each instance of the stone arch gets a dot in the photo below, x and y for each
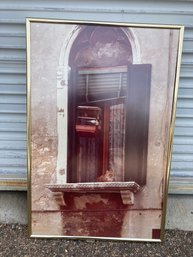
(76, 30)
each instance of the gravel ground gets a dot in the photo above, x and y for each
(14, 242)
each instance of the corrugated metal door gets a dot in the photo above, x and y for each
(13, 168)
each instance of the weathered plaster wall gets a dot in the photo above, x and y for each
(44, 110)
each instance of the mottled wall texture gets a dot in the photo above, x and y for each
(98, 214)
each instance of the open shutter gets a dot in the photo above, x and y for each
(72, 176)
(137, 121)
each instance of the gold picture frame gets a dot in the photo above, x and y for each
(101, 111)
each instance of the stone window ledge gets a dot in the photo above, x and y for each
(126, 189)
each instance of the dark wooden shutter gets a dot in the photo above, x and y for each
(72, 176)
(137, 121)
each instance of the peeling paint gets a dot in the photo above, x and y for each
(62, 171)
(62, 82)
(60, 110)
(82, 201)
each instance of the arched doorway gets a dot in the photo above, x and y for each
(100, 92)
(97, 91)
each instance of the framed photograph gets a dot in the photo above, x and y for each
(101, 112)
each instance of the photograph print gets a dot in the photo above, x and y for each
(101, 105)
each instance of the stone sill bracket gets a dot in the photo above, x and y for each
(126, 189)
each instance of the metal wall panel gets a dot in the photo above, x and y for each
(13, 75)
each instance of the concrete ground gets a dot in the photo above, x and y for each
(14, 242)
